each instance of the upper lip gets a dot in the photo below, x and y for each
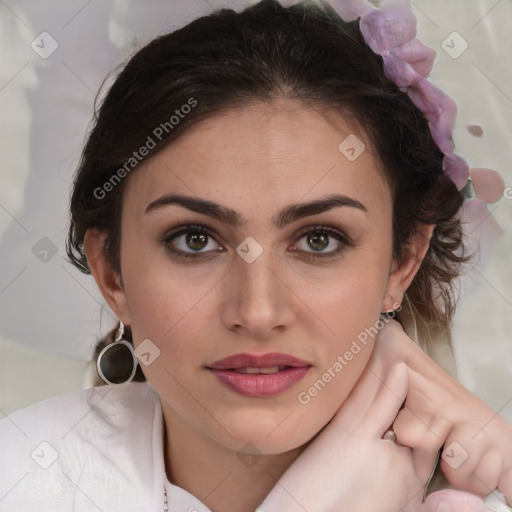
(257, 361)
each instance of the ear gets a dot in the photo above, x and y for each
(403, 273)
(109, 282)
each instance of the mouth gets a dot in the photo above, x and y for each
(259, 376)
(272, 361)
(264, 371)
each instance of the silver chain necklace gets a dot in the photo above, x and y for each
(166, 506)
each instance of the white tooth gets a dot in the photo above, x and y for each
(250, 369)
(274, 369)
(253, 370)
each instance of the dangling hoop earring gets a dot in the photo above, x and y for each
(117, 362)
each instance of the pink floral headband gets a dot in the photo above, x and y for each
(391, 32)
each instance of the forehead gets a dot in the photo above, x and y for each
(263, 155)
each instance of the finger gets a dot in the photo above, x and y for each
(362, 396)
(374, 402)
(481, 480)
(469, 462)
(395, 345)
(390, 396)
(414, 427)
(505, 485)
(454, 501)
(391, 342)
(486, 475)
(420, 436)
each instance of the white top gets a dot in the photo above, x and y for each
(100, 449)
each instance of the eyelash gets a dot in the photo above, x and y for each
(344, 240)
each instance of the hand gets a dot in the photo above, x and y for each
(349, 467)
(437, 410)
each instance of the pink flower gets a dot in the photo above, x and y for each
(391, 33)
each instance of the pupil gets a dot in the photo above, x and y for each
(318, 241)
(196, 240)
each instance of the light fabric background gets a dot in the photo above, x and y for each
(51, 315)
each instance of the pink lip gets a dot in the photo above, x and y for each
(257, 361)
(260, 385)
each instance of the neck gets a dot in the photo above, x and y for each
(225, 480)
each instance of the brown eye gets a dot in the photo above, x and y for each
(318, 241)
(196, 241)
(191, 241)
(322, 242)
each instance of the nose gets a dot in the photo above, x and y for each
(258, 301)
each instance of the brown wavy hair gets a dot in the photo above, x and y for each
(306, 53)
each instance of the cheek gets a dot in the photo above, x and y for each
(351, 313)
(351, 298)
(161, 294)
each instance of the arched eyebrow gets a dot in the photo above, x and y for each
(287, 215)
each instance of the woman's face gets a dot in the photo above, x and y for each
(293, 276)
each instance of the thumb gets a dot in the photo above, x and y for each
(450, 500)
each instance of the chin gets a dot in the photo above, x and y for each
(268, 435)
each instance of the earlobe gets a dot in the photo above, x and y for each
(402, 273)
(108, 281)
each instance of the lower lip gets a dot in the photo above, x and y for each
(261, 385)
